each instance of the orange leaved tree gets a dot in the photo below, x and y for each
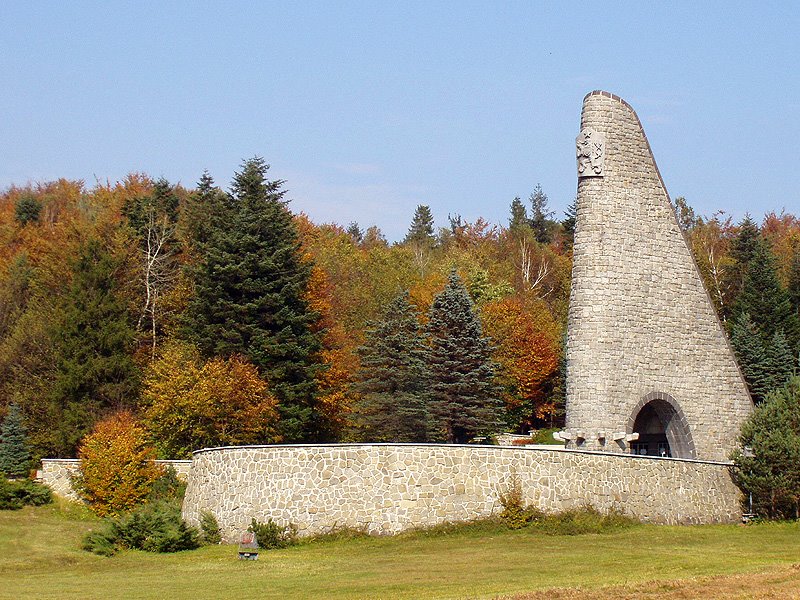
(117, 468)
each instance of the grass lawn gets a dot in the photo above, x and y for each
(40, 558)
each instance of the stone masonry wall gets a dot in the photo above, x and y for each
(641, 324)
(57, 473)
(386, 488)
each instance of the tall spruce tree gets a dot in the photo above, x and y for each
(392, 380)
(793, 285)
(751, 356)
(568, 224)
(94, 339)
(465, 399)
(519, 215)
(766, 301)
(780, 362)
(743, 249)
(15, 457)
(540, 215)
(421, 230)
(250, 288)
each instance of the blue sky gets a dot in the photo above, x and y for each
(368, 109)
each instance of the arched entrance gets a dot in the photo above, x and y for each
(662, 428)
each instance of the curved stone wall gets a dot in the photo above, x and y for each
(386, 488)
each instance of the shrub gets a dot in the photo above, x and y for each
(270, 535)
(210, 528)
(117, 470)
(168, 487)
(153, 527)
(516, 514)
(16, 494)
(583, 520)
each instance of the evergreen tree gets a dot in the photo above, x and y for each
(540, 215)
(568, 224)
(780, 362)
(751, 356)
(355, 232)
(421, 229)
(94, 341)
(465, 400)
(15, 457)
(766, 301)
(770, 469)
(392, 380)
(27, 210)
(684, 214)
(519, 215)
(746, 241)
(249, 298)
(204, 209)
(743, 249)
(793, 286)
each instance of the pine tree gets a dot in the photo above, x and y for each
(766, 301)
(27, 210)
(519, 215)
(15, 457)
(743, 249)
(465, 400)
(780, 362)
(751, 356)
(771, 470)
(94, 341)
(568, 224)
(684, 214)
(392, 380)
(793, 286)
(203, 211)
(249, 299)
(421, 230)
(354, 231)
(540, 215)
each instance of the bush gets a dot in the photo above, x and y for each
(117, 470)
(210, 528)
(153, 527)
(168, 487)
(516, 514)
(270, 535)
(582, 521)
(16, 494)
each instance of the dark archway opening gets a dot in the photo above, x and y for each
(652, 434)
(662, 430)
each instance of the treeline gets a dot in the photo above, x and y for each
(219, 317)
(752, 274)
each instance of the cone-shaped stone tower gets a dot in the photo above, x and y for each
(649, 368)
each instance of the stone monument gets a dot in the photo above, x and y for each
(649, 367)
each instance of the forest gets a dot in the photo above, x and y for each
(220, 317)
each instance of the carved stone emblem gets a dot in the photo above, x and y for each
(590, 151)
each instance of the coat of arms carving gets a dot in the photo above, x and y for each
(590, 151)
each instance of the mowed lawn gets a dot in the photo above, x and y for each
(40, 558)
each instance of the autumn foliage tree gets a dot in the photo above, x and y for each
(189, 404)
(527, 352)
(117, 469)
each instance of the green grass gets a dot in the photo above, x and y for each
(40, 558)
